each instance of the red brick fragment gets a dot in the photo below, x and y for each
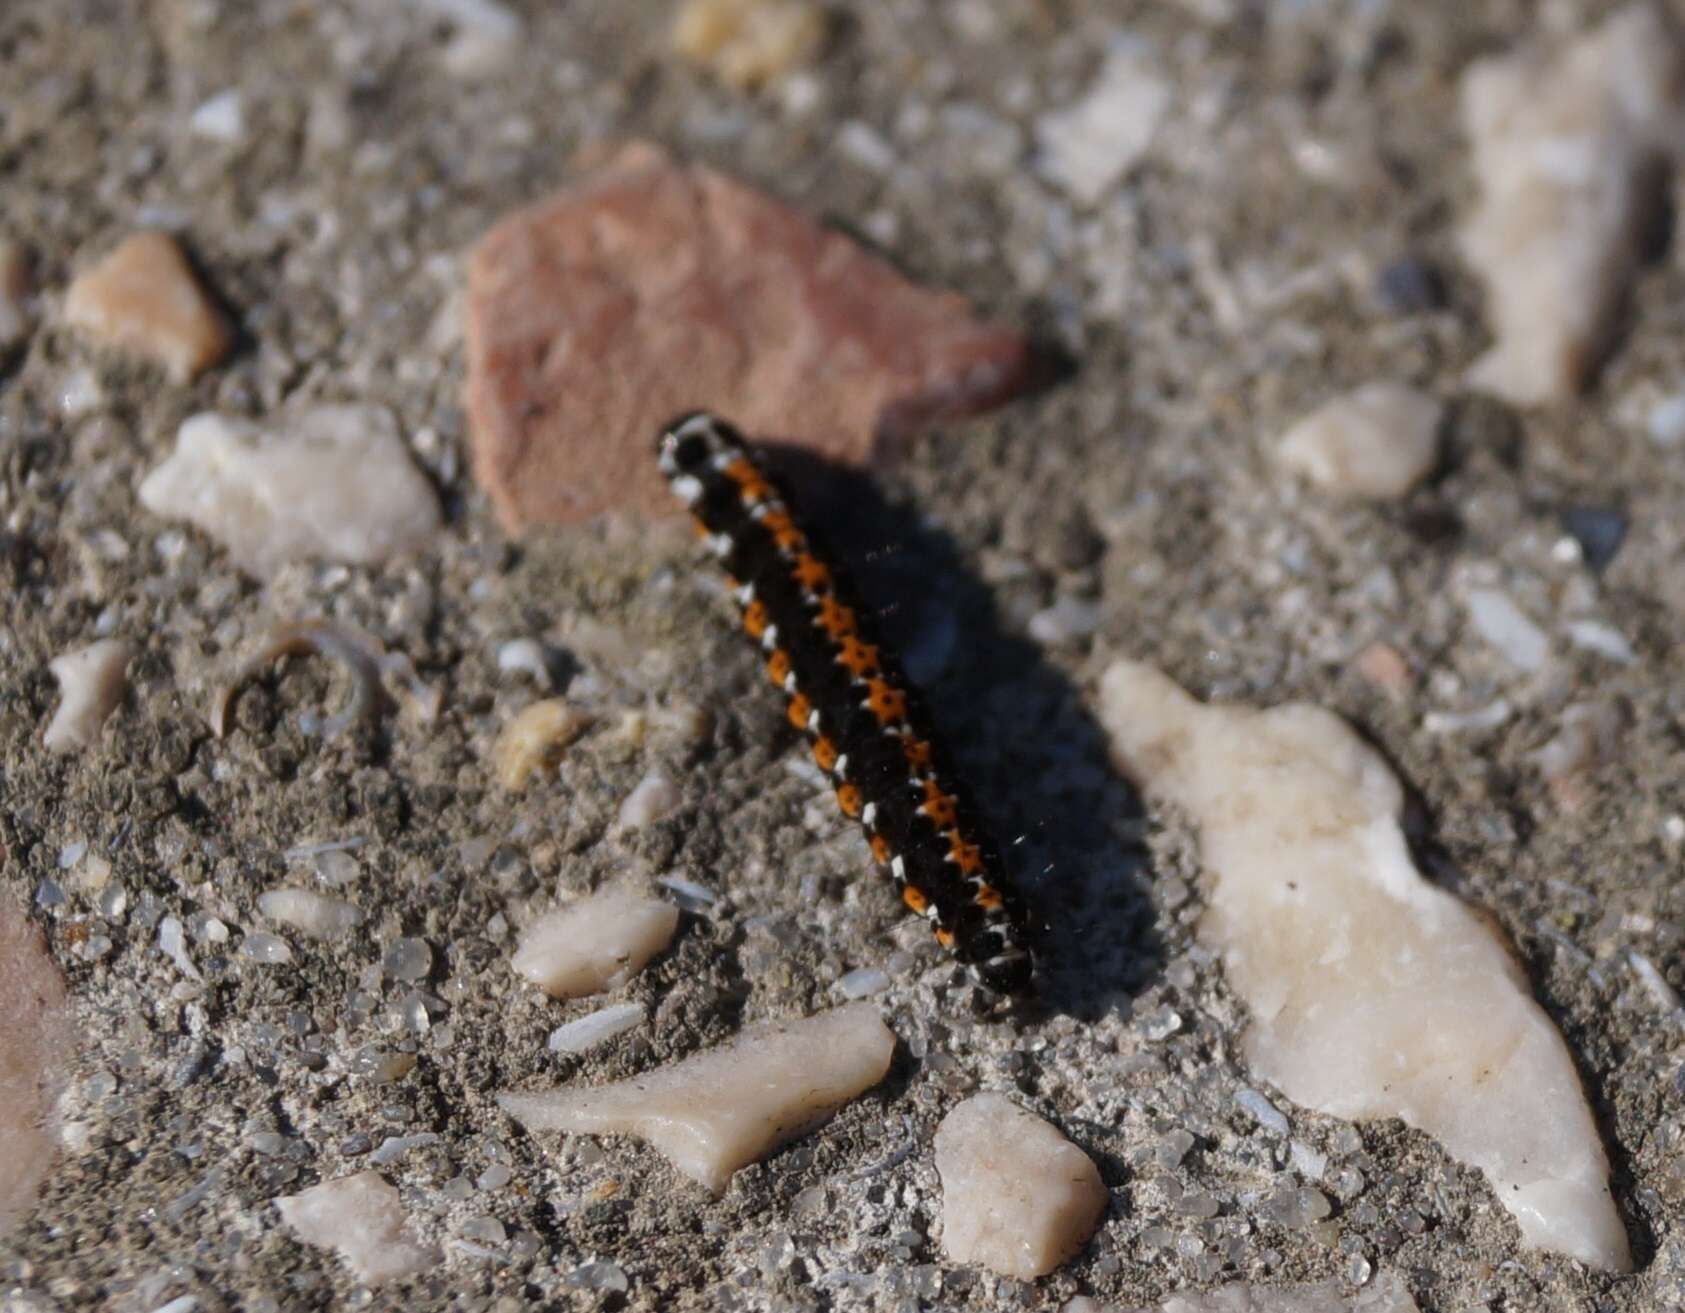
(652, 287)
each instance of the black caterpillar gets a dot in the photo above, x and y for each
(864, 722)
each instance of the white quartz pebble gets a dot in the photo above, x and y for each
(1372, 992)
(595, 1028)
(724, 1109)
(330, 482)
(92, 681)
(1376, 442)
(595, 944)
(315, 914)
(360, 1217)
(1568, 140)
(1017, 1196)
(654, 796)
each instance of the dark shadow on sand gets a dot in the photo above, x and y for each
(1068, 849)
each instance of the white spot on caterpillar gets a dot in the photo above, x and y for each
(688, 488)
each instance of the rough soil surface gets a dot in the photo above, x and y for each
(1286, 237)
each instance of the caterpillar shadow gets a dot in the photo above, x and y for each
(1018, 731)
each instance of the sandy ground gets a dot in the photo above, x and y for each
(1227, 288)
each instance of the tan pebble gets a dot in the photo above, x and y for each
(1385, 667)
(749, 43)
(534, 739)
(1017, 1196)
(143, 299)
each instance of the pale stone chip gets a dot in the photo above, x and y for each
(1377, 442)
(1387, 1293)
(749, 43)
(331, 482)
(595, 944)
(144, 299)
(36, 1044)
(92, 681)
(535, 738)
(1017, 1196)
(1373, 993)
(1089, 147)
(1569, 143)
(317, 915)
(652, 798)
(722, 1110)
(361, 1217)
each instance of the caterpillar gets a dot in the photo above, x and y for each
(864, 723)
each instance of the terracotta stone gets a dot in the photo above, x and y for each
(652, 287)
(143, 298)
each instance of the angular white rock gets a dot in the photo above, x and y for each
(653, 797)
(359, 1216)
(1387, 1293)
(1088, 148)
(1568, 143)
(92, 681)
(724, 1109)
(1376, 442)
(1017, 1196)
(595, 944)
(334, 482)
(1372, 992)
(315, 914)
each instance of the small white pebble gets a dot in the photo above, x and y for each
(654, 797)
(1017, 1196)
(92, 680)
(1265, 1113)
(1490, 716)
(315, 914)
(1666, 997)
(396, 1146)
(1308, 1162)
(1066, 621)
(271, 950)
(362, 1219)
(408, 959)
(525, 656)
(221, 118)
(862, 982)
(689, 895)
(1604, 640)
(595, 1028)
(172, 941)
(595, 944)
(1376, 442)
(1503, 624)
(1667, 421)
